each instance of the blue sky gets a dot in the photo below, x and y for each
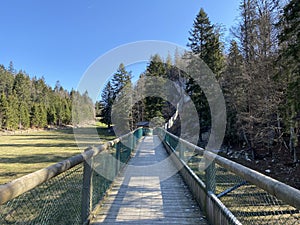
(59, 39)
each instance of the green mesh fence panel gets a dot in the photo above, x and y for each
(57, 201)
(248, 203)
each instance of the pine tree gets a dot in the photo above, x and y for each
(138, 99)
(24, 116)
(38, 115)
(116, 100)
(204, 42)
(59, 110)
(22, 89)
(154, 86)
(201, 33)
(3, 110)
(6, 81)
(12, 120)
(290, 69)
(98, 108)
(26, 102)
(107, 98)
(120, 79)
(233, 89)
(122, 110)
(11, 68)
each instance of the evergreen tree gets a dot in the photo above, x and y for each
(154, 85)
(68, 111)
(122, 110)
(290, 70)
(98, 108)
(26, 101)
(138, 99)
(51, 115)
(11, 68)
(233, 89)
(116, 99)
(6, 81)
(3, 110)
(59, 110)
(107, 98)
(204, 42)
(38, 115)
(120, 79)
(88, 107)
(12, 120)
(24, 116)
(22, 89)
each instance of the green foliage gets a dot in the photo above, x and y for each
(26, 102)
(289, 75)
(204, 41)
(98, 108)
(82, 108)
(290, 51)
(116, 101)
(3, 109)
(38, 115)
(23, 112)
(107, 98)
(233, 89)
(154, 86)
(6, 81)
(12, 120)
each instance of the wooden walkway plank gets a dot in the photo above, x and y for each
(149, 191)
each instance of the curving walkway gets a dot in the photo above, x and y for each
(149, 191)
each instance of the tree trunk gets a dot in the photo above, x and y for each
(293, 135)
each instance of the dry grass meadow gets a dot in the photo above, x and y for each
(21, 154)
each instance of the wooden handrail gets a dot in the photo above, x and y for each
(280, 190)
(25, 183)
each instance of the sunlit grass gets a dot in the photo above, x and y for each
(21, 154)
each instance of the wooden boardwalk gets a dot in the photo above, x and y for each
(149, 191)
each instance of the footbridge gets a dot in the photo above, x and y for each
(148, 177)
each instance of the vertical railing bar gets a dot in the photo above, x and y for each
(118, 158)
(87, 189)
(181, 150)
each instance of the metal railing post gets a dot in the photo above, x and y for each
(118, 157)
(131, 144)
(181, 150)
(134, 140)
(112, 165)
(167, 138)
(87, 189)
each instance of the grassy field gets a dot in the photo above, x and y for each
(21, 154)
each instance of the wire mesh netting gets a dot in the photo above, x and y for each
(107, 165)
(59, 200)
(248, 203)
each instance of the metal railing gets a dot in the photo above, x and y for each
(228, 192)
(66, 192)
